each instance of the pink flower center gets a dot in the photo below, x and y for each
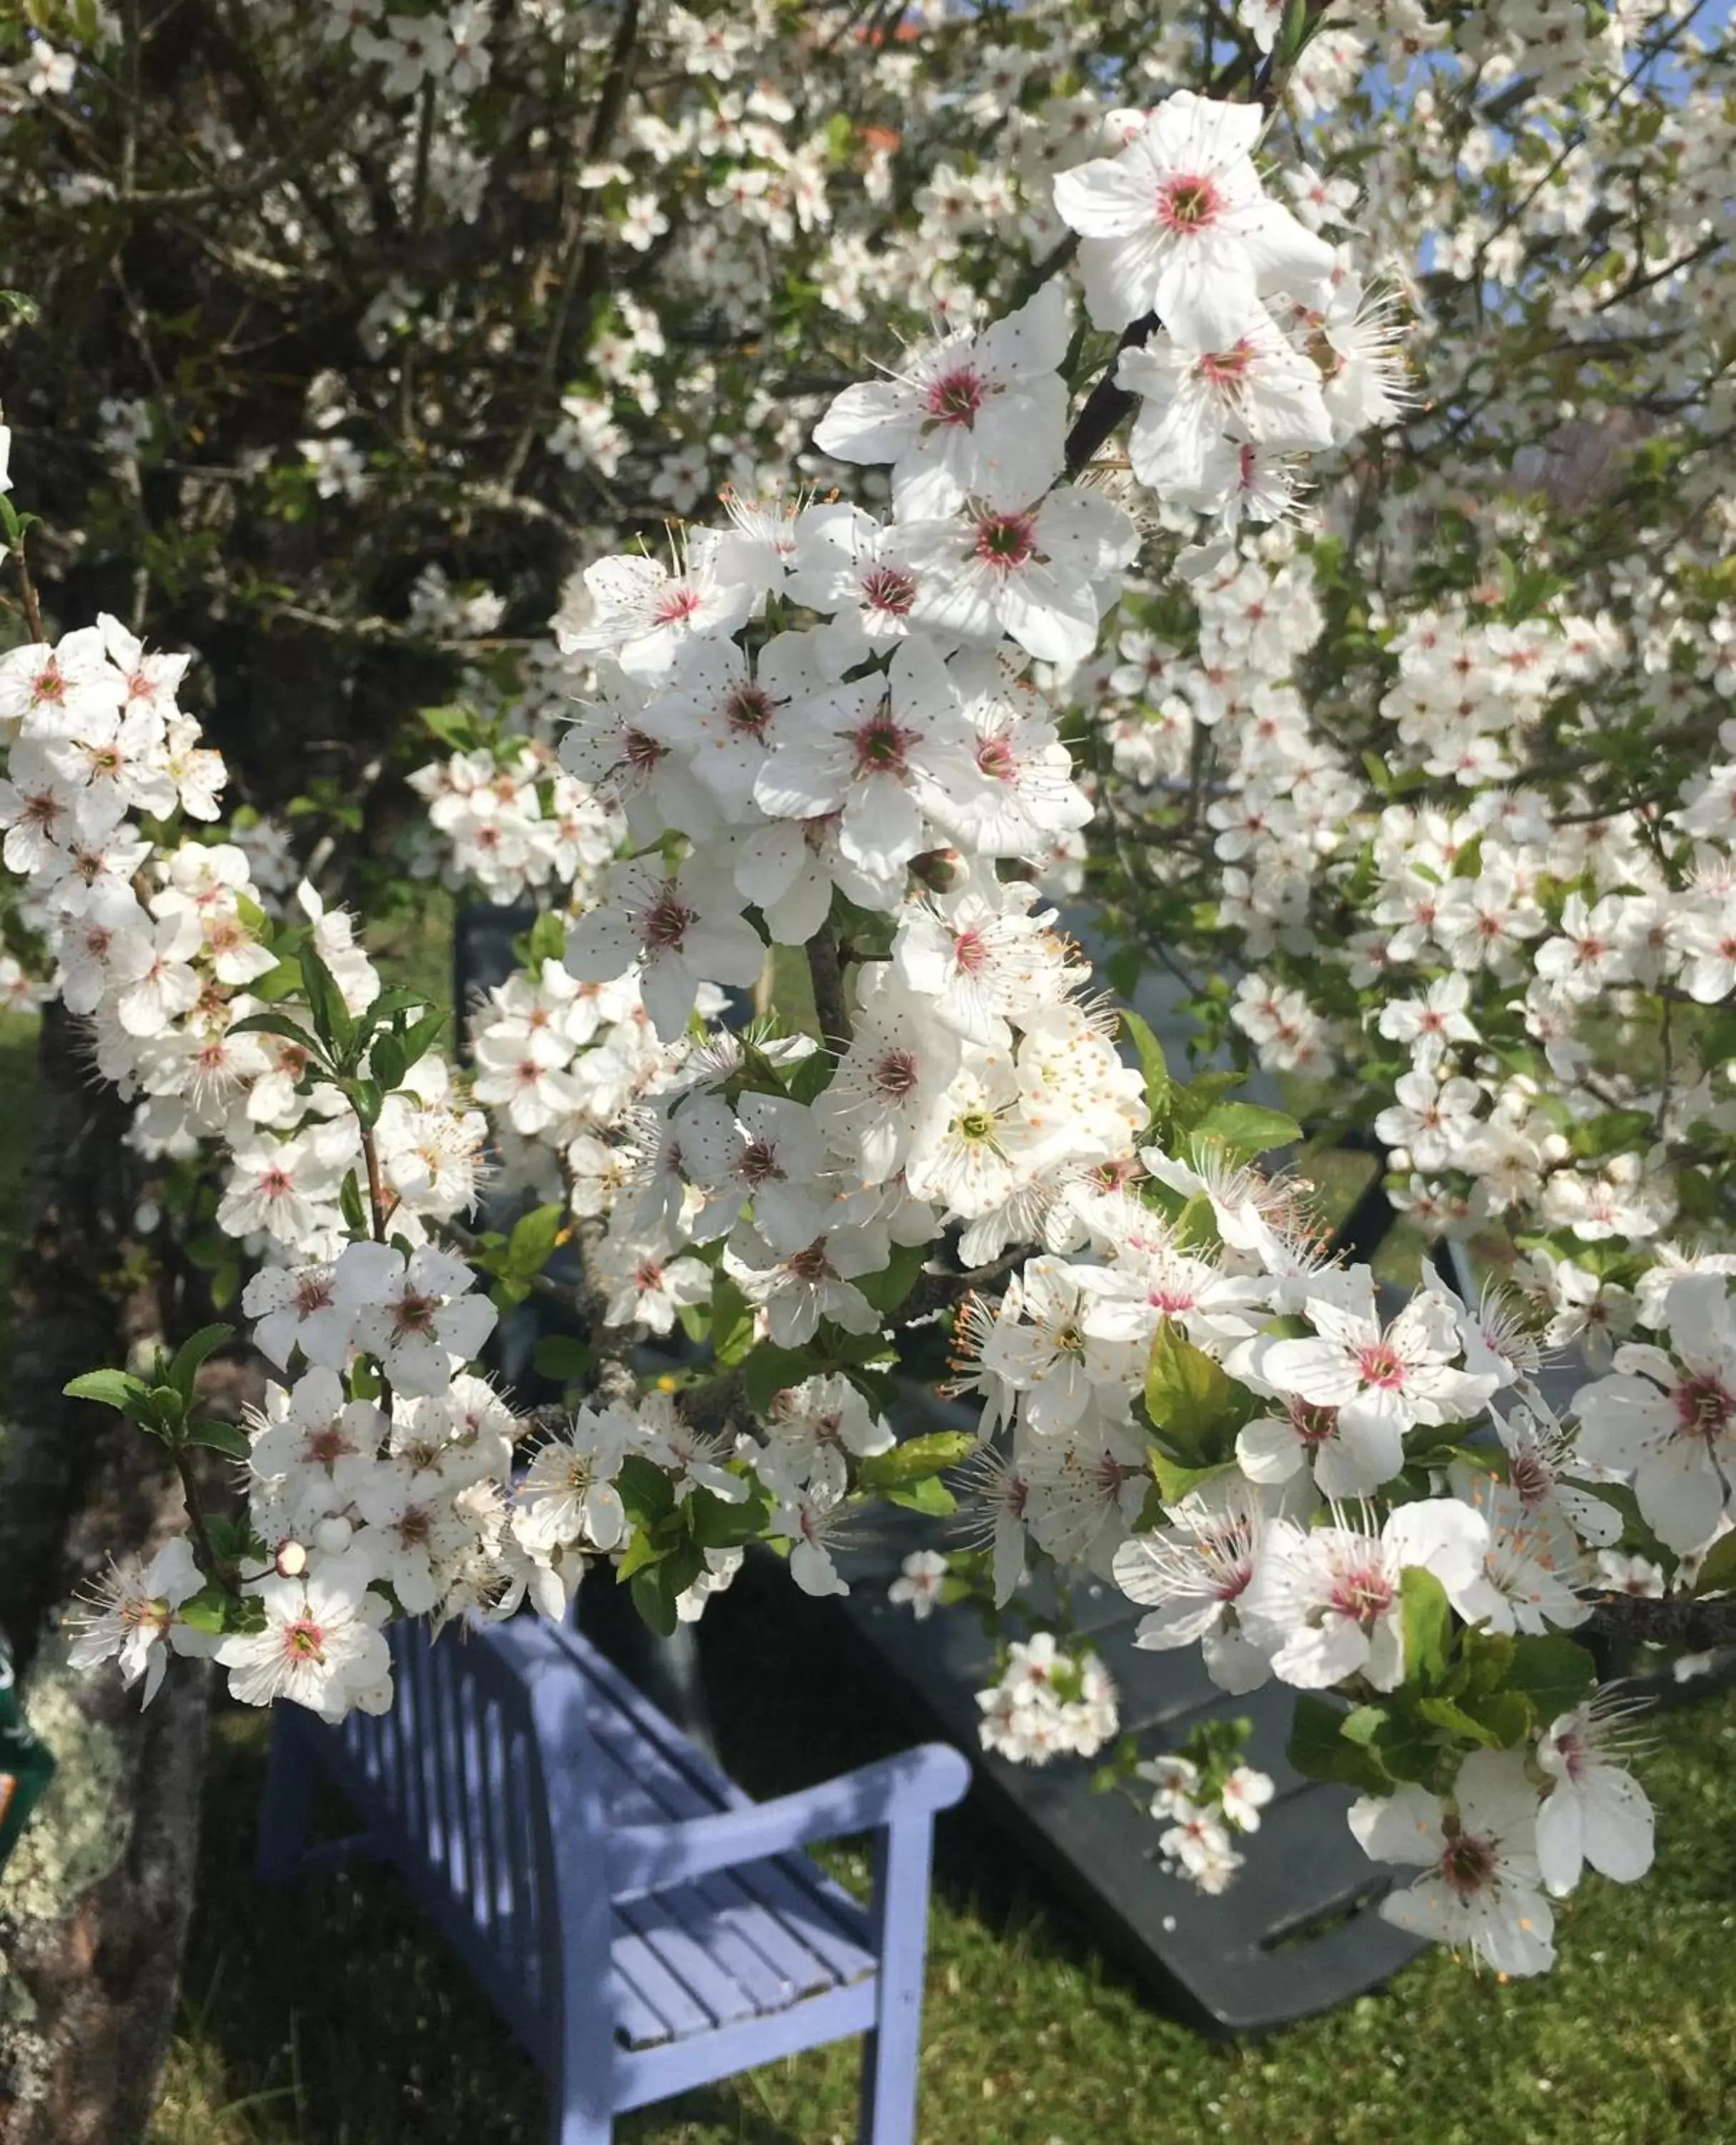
(749, 711)
(812, 1264)
(1571, 1750)
(304, 1641)
(1704, 1407)
(1381, 1364)
(1227, 368)
(1005, 541)
(1467, 1865)
(995, 758)
(758, 1164)
(970, 952)
(881, 745)
(955, 398)
(1188, 204)
(667, 921)
(1362, 1591)
(1531, 1479)
(888, 589)
(1172, 1296)
(641, 753)
(1313, 1424)
(413, 1314)
(895, 1076)
(675, 605)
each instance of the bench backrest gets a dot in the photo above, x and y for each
(480, 1767)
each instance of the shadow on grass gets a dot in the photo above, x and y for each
(335, 2013)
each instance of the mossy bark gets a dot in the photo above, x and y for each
(93, 1946)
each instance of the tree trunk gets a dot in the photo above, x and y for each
(94, 1906)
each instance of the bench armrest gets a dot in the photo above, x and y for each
(643, 1858)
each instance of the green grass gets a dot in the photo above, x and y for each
(335, 2017)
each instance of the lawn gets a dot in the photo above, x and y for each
(333, 2017)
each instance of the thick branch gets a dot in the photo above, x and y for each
(1697, 1626)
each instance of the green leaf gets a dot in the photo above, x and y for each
(334, 1023)
(886, 1289)
(389, 1003)
(1717, 1567)
(386, 1063)
(809, 1076)
(653, 1600)
(561, 1358)
(1553, 1672)
(1188, 1396)
(1443, 1713)
(714, 1523)
(367, 1101)
(116, 1389)
(1248, 1128)
(930, 1496)
(768, 1370)
(532, 1243)
(1152, 1063)
(1362, 1724)
(916, 1460)
(646, 1491)
(1611, 1132)
(643, 1551)
(1486, 1660)
(221, 1436)
(282, 982)
(1427, 1624)
(456, 727)
(732, 1322)
(1319, 1748)
(1174, 1481)
(419, 1038)
(208, 1610)
(348, 1200)
(278, 1023)
(546, 940)
(191, 1353)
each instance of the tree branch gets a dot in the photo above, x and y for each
(831, 1008)
(1640, 1620)
(585, 257)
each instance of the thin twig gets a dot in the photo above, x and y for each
(213, 1566)
(27, 596)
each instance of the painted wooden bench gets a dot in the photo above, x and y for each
(641, 1925)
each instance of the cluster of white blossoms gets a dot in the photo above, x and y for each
(818, 727)
(1052, 1701)
(513, 823)
(1202, 1809)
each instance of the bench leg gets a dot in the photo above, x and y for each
(892, 2051)
(582, 2126)
(285, 1806)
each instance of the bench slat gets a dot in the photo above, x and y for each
(775, 1962)
(772, 1965)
